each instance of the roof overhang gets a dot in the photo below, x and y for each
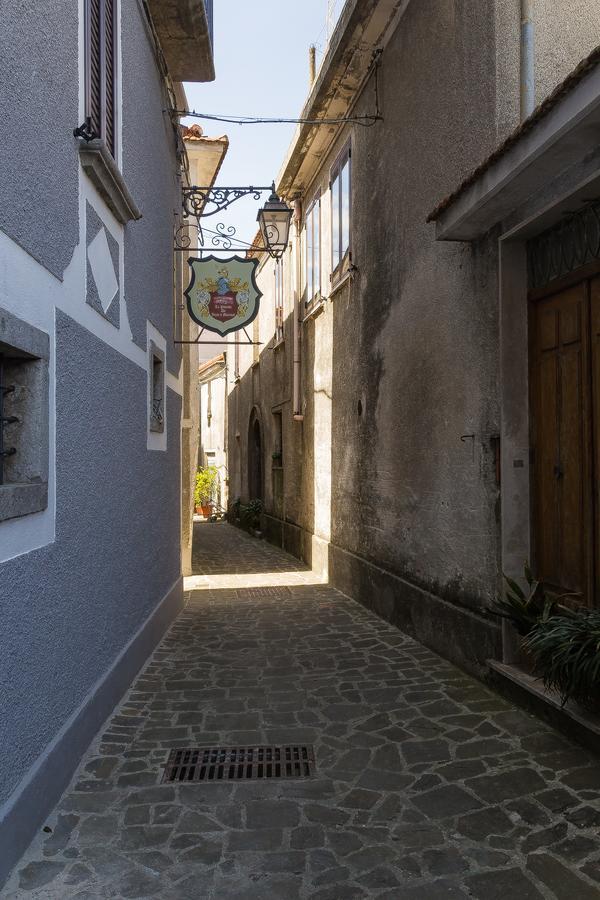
(211, 369)
(183, 30)
(546, 148)
(205, 157)
(364, 27)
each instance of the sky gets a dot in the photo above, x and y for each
(261, 63)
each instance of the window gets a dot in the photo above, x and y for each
(278, 273)
(157, 390)
(341, 205)
(313, 250)
(101, 69)
(24, 352)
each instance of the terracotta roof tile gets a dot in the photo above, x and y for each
(571, 81)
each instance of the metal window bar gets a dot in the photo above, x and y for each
(4, 420)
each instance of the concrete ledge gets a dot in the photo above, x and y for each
(104, 173)
(22, 499)
(183, 30)
(458, 634)
(42, 787)
(523, 688)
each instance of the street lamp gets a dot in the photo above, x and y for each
(274, 219)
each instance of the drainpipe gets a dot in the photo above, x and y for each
(527, 59)
(297, 294)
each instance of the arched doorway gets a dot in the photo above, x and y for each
(255, 460)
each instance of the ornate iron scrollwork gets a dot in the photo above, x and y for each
(566, 247)
(208, 201)
(191, 236)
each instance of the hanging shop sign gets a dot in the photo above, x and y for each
(223, 295)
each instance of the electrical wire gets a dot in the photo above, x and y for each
(365, 121)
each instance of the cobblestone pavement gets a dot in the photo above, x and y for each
(428, 786)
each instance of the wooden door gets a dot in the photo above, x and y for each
(595, 417)
(562, 441)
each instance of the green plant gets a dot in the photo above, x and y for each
(566, 653)
(206, 483)
(250, 514)
(525, 608)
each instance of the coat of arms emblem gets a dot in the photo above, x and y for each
(223, 295)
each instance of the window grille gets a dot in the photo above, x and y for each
(157, 412)
(5, 449)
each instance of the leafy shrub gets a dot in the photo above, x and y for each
(526, 608)
(250, 514)
(206, 482)
(566, 652)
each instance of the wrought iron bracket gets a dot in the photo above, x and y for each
(209, 201)
(191, 236)
(86, 131)
(223, 343)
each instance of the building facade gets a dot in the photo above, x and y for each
(212, 449)
(373, 421)
(92, 379)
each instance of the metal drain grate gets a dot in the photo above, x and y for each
(239, 763)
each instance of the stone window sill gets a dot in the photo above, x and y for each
(315, 310)
(341, 282)
(22, 499)
(278, 344)
(104, 174)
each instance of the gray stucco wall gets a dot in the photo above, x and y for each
(69, 608)
(149, 167)
(38, 111)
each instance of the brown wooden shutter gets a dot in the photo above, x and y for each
(101, 69)
(94, 65)
(111, 80)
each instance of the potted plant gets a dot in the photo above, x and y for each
(566, 654)
(206, 483)
(561, 643)
(250, 515)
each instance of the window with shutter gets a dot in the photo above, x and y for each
(101, 71)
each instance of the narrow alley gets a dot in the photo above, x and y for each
(426, 784)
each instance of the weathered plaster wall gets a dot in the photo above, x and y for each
(149, 169)
(69, 608)
(412, 496)
(38, 112)
(394, 462)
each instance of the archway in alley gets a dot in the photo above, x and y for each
(255, 460)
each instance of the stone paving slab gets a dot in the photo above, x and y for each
(427, 784)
